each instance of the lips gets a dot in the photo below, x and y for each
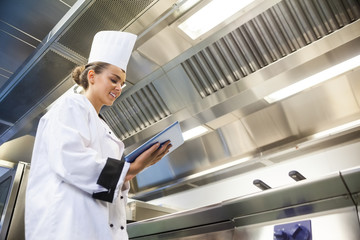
(113, 95)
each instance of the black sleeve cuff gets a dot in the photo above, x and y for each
(109, 178)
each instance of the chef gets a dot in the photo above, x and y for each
(78, 182)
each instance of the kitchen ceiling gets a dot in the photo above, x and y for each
(218, 80)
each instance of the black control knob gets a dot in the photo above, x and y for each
(299, 232)
(280, 235)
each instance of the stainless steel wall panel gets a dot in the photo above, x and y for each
(267, 126)
(330, 225)
(163, 109)
(178, 221)
(351, 180)
(355, 84)
(216, 231)
(182, 83)
(170, 96)
(237, 139)
(324, 111)
(215, 147)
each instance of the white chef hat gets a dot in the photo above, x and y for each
(112, 47)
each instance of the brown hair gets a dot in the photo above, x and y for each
(79, 74)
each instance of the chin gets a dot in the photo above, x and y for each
(109, 104)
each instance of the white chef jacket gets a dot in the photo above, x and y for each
(76, 187)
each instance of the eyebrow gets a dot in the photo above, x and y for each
(118, 77)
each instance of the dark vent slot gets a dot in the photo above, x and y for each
(136, 112)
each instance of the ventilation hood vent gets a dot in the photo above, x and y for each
(274, 34)
(136, 111)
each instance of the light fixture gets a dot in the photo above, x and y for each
(313, 80)
(194, 132)
(211, 15)
(220, 167)
(337, 129)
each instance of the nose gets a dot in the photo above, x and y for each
(118, 86)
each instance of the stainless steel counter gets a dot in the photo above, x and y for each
(327, 201)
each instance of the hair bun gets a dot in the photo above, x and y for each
(76, 74)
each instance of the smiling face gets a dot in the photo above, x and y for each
(105, 87)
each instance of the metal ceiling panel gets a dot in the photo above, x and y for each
(38, 83)
(33, 17)
(10, 60)
(279, 31)
(3, 127)
(22, 27)
(101, 15)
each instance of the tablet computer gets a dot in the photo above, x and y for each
(172, 133)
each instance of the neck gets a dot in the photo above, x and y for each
(96, 104)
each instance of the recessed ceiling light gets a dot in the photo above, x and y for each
(313, 80)
(194, 132)
(338, 129)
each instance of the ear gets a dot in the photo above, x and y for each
(91, 76)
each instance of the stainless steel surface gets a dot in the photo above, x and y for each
(218, 80)
(17, 226)
(12, 218)
(247, 215)
(330, 225)
(138, 210)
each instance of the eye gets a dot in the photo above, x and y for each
(113, 81)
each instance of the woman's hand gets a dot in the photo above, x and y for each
(147, 158)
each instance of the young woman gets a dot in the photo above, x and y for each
(78, 184)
